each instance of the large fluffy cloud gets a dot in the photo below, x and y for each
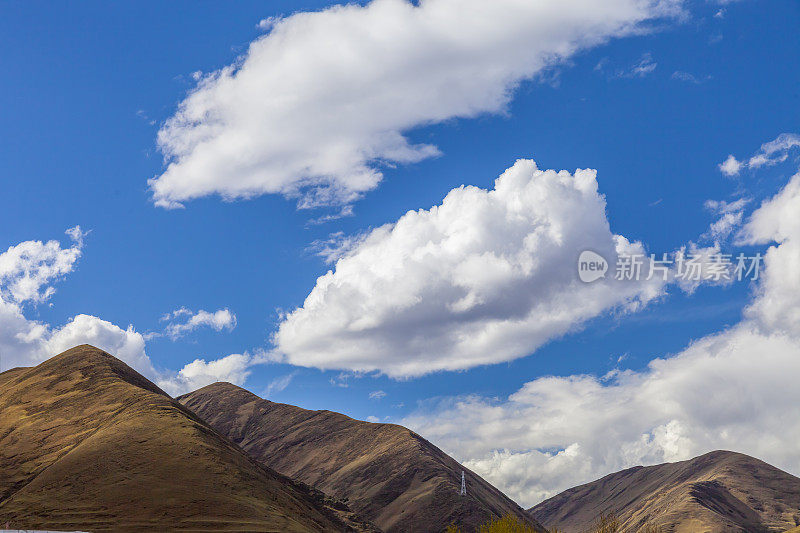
(736, 389)
(777, 306)
(485, 277)
(318, 105)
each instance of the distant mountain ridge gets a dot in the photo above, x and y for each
(717, 492)
(86, 443)
(390, 475)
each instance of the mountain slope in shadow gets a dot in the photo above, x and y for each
(87, 443)
(389, 474)
(717, 492)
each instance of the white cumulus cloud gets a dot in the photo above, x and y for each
(731, 166)
(777, 305)
(321, 103)
(28, 268)
(487, 276)
(125, 344)
(25, 342)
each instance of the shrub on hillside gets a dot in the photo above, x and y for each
(507, 524)
(605, 523)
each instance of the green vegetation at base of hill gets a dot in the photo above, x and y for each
(507, 524)
(604, 524)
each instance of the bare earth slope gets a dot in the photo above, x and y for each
(390, 475)
(87, 443)
(717, 492)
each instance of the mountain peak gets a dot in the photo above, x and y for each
(82, 434)
(224, 389)
(93, 364)
(718, 491)
(80, 356)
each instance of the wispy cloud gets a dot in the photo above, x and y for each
(771, 153)
(222, 319)
(642, 67)
(279, 384)
(689, 77)
(730, 217)
(335, 246)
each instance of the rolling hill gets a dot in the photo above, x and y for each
(389, 474)
(87, 443)
(717, 492)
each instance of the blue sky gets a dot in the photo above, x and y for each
(87, 87)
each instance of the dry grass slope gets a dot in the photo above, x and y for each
(714, 493)
(87, 443)
(389, 474)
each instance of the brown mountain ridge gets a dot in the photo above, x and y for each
(389, 474)
(87, 443)
(717, 492)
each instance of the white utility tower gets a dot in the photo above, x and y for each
(463, 484)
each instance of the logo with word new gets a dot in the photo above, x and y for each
(591, 266)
